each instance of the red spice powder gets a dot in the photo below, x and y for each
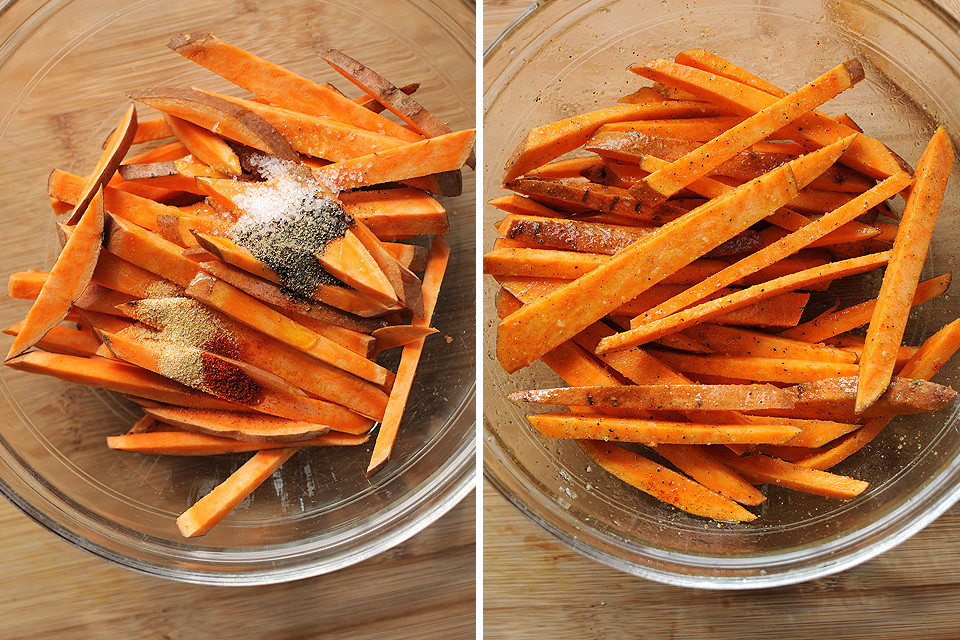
(229, 381)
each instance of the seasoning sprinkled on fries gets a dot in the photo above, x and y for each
(239, 277)
(658, 256)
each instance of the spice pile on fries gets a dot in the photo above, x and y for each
(240, 276)
(658, 255)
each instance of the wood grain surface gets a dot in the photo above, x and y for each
(424, 588)
(536, 587)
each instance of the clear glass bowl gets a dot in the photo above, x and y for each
(568, 57)
(65, 68)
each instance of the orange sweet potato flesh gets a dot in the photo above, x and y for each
(115, 149)
(210, 112)
(433, 155)
(405, 284)
(69, 277)
(238, 425)
(279, 85)
(664, 484)
(205, 145)
(410, 358)
(395, 213)
(213, 507)
(903, 273)
(186, 443)
(347, 259)
(542, 325)
(117, 376)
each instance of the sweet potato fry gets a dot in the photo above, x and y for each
(903, 273)
(395, 213)
(426, 157)
(834, 323)
(117, 376)
(69, 277)
(549, 142)
(662, 483)
(410, 358)
(213, 507)
(114, 150)
(664, 397)
(754, 368)
(279, 85)
(739, 341)
(654, 432)
(561, 315)
(663, 183)
(186, 443)
(865, 154)
(205, 145)
(782, 248)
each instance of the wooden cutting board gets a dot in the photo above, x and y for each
(536, 587)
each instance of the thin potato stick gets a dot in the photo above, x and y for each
(279, 85)
(213, 507)
(781, 248)
(903, 272)
(67, 280)
(662, 483)
(186, 443)
(409, 358)
(865, 154)
(664, 397)
(663, 183)
(708, 310)
(932, 355)
(542, 325)
(548, 142)
(834, 323)
(654, 432)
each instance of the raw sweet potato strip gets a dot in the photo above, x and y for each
(707, 61)
(548, 142)
(68, 278)
(664, 397)
(542, 325)
(709, 310)
(834, 323)
(766, 470)
(903, 273)
(317, 136)
(567, 168)
(665, 182)
(432, 155)
(148, 251)
(371, 103)
(782, 248)
(333, 313)
(833, 398)
(616, 140)
(580, 196)
(60, 339)
(865, 154)
(185, 443)
(205, 145)
(662, 483)
(147, 131)
(739, 341)
(348, 259)
(410, 357)
(395, 100)
(576, 366)
(114, 150)
(227, 118)
(395, 213)
(281, 86)
(117, 376)
(932, 355)
(654, 432)
(238, 425)
(213, 507)
(783, 310)
(406, 286)
(248, 310)
(399, 335)
(297, 368)
(753, 368)
(244, 383)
